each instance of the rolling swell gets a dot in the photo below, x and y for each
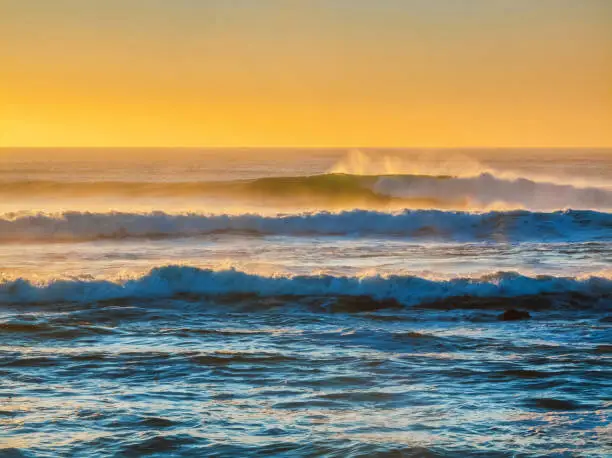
(423, 224)
(181, 281)
(332, 184)
(328, 189)
(417, 191)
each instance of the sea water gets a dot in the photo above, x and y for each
(305, 302)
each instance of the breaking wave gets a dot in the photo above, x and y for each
(486, 190)
(518, 225)
(172, 281)
(483, 191)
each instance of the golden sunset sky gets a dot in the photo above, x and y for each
(306, 73)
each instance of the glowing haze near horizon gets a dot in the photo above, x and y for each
(309, 73)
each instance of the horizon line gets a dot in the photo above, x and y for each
(298, 147)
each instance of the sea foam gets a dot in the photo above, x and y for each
(434, 224)
(170, 281)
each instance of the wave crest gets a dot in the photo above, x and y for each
(171, 281)
(433, 224)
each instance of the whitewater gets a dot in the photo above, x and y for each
(299, 302)
(424, 224)
(173, 281)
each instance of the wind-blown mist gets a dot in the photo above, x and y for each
(386, 182)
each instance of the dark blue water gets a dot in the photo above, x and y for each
(271, 377)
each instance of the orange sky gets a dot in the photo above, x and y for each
(306, 73)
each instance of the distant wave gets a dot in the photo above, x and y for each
(509, 226)
(326, 184)
(173, 281)
(412, 191)
(101, 188)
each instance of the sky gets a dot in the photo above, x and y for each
(401, 73)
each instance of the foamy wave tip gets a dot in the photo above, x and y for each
(170, 281)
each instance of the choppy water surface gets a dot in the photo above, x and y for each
(350, 310)
(216, 379)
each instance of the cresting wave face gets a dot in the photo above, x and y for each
(173, 281)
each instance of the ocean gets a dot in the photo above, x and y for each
(305, 302)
